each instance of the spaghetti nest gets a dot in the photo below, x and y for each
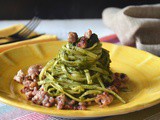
(78, 73)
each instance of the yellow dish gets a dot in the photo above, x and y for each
(142, 68)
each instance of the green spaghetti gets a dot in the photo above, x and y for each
(78, 73)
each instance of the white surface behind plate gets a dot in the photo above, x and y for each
(62, 27)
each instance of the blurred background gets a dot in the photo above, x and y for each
(61, 9)
(59, 17)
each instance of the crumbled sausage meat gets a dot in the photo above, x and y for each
(104, 99)
(26, 83)
(35, 90)
(71, 102)
(65, 103)
(31, 89)
(19, 77)
(33, 85)
(25, 89)
(123, 77)
(88, 34)
(61, 100)
(68, 107)
(113, 88)
(82, 43)
(48, 101)
(119, 80)
(72, 37)
(34, 71)
(41, 98)
(82, 106)
(29, 95)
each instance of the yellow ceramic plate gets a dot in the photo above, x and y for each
(142, 68)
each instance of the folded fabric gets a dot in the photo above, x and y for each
(16, 28)
(138, 25)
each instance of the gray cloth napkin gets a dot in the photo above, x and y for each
(138, 25)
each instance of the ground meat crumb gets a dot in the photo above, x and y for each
(61, 100)
(72, 102)
(29, 95)
(41, 98)
(120, 80)
(82, 43)
(104, 99)
(47, 101)
(113, 88)
(72, 37)
(19, 77)
(88, 34)
(24, 90)
(64, 102)
(34, 71)
(82, 106)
